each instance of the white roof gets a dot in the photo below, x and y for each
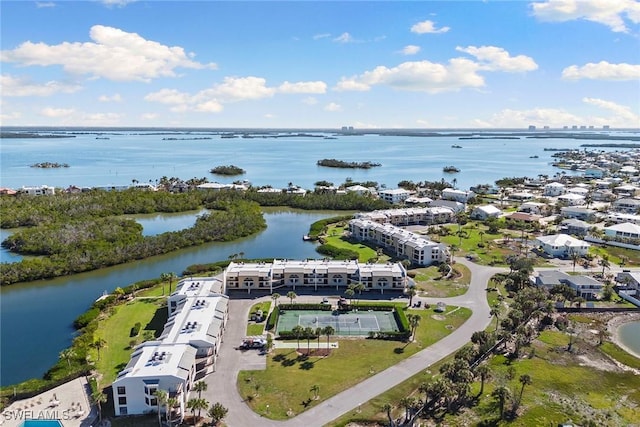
(571, 196)
(488, 209)
(154, 359)
(625, 227)
(555, 184)
(562, 240)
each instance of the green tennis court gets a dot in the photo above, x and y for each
(347, 324)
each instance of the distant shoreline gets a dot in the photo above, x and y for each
(614, 329)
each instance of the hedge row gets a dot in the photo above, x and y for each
(285, 335)
(337, 253)
(368, 307)
(272, 320)
(390, 335)
(401, 319)
(309, 306)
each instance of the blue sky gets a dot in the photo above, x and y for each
(308, 64)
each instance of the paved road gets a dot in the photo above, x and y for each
(222, 384)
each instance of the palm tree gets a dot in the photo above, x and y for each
(481, 234)
(98, 345)
(414, 322)
(495, 312)
(162, 397)
(575, 256)
(172, 402)
(349, 293)
(298, 331)
(387, 408)
(484, 373)
(525, 380)
(217, 412)
(578, 301)
(359, 287)
(99, 398)
(604, 263)
(68, 354)
(291, 295)
(308, 333)
(328, 331)
(315, 389)
(501, 394)
(407, 403)
(200, 386)
(167, 277)
(318, 333)
(412, 293)
(275, 297)
(118, 292)
(197, 404)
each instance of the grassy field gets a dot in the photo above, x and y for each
(257, 328)
(562, 389)
(115, 331)
(335, 237)
(286, 383)
(429, 283)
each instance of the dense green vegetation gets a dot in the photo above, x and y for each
(71, 245)
(229, 170)
(333, 163)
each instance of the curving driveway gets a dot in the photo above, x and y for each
(222, 383)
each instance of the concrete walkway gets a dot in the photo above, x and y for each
(222, 383)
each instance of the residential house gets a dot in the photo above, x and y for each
(394, 196)
(571, 199)
(485, 212)
(522, 217)
(562, 245)
(360, 190)
(43, 190)
(623, 231)
(575, 227)
(449, 204)
(457, 195)
(627, 205)
(584, 214)
(554, 189)
(534, 208)
(619, 218)
(585, 286)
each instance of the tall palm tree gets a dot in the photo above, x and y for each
(298, 331)
(275, 297)
(495, 312)
(328, 331)
(172, 402)
(161, 397)
(291, 295)
(199, 387)
(525, 380)
(308, 333)
(407, 403)
(501, 394)
(318, 333)
(387, 408)
(604, 263)
(412, 293)
(414, 322)
(98, 397)
(484, 373)
(98, 345)
(167, 277)
(315, 389)
(349, 293)
(68, 354)
(197, 404)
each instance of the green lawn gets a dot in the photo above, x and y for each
(287, 381)
(335, 237)
(115, 331)
(257, 328)
(428, 281)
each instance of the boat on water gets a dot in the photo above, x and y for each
(450, 169)
(456, 146)
(533, 157)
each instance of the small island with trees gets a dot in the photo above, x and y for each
(229, 170)
(49, 165)
(333, 163)
(450, 169)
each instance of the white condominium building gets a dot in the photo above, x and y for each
(185, 352)
(314, 274)
(403, 243)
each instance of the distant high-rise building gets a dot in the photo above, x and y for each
(605, 127)
(532, 127)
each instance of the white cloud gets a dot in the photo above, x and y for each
(603, 70)
(15, 86)
(410, 49)
(212, 100)
(621, 116)
(119, 3)
(57, 112)
(427, 27)
(113, 54)
(433, 77)
(344, 38)
(419, 76)
(113, 98)
(494, 58)
(611, 13)
(620, 111)
(270, 116)
(303, 87)
(149, 116)
(333, 107)
(321, 36)
(310, 100)
(42, 4)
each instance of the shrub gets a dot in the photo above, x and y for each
(310, 306)
(85, 318)
(135, 330)
(337, 253)
(272, 321)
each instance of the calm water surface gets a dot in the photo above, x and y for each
(37, 317)
(630, 336)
